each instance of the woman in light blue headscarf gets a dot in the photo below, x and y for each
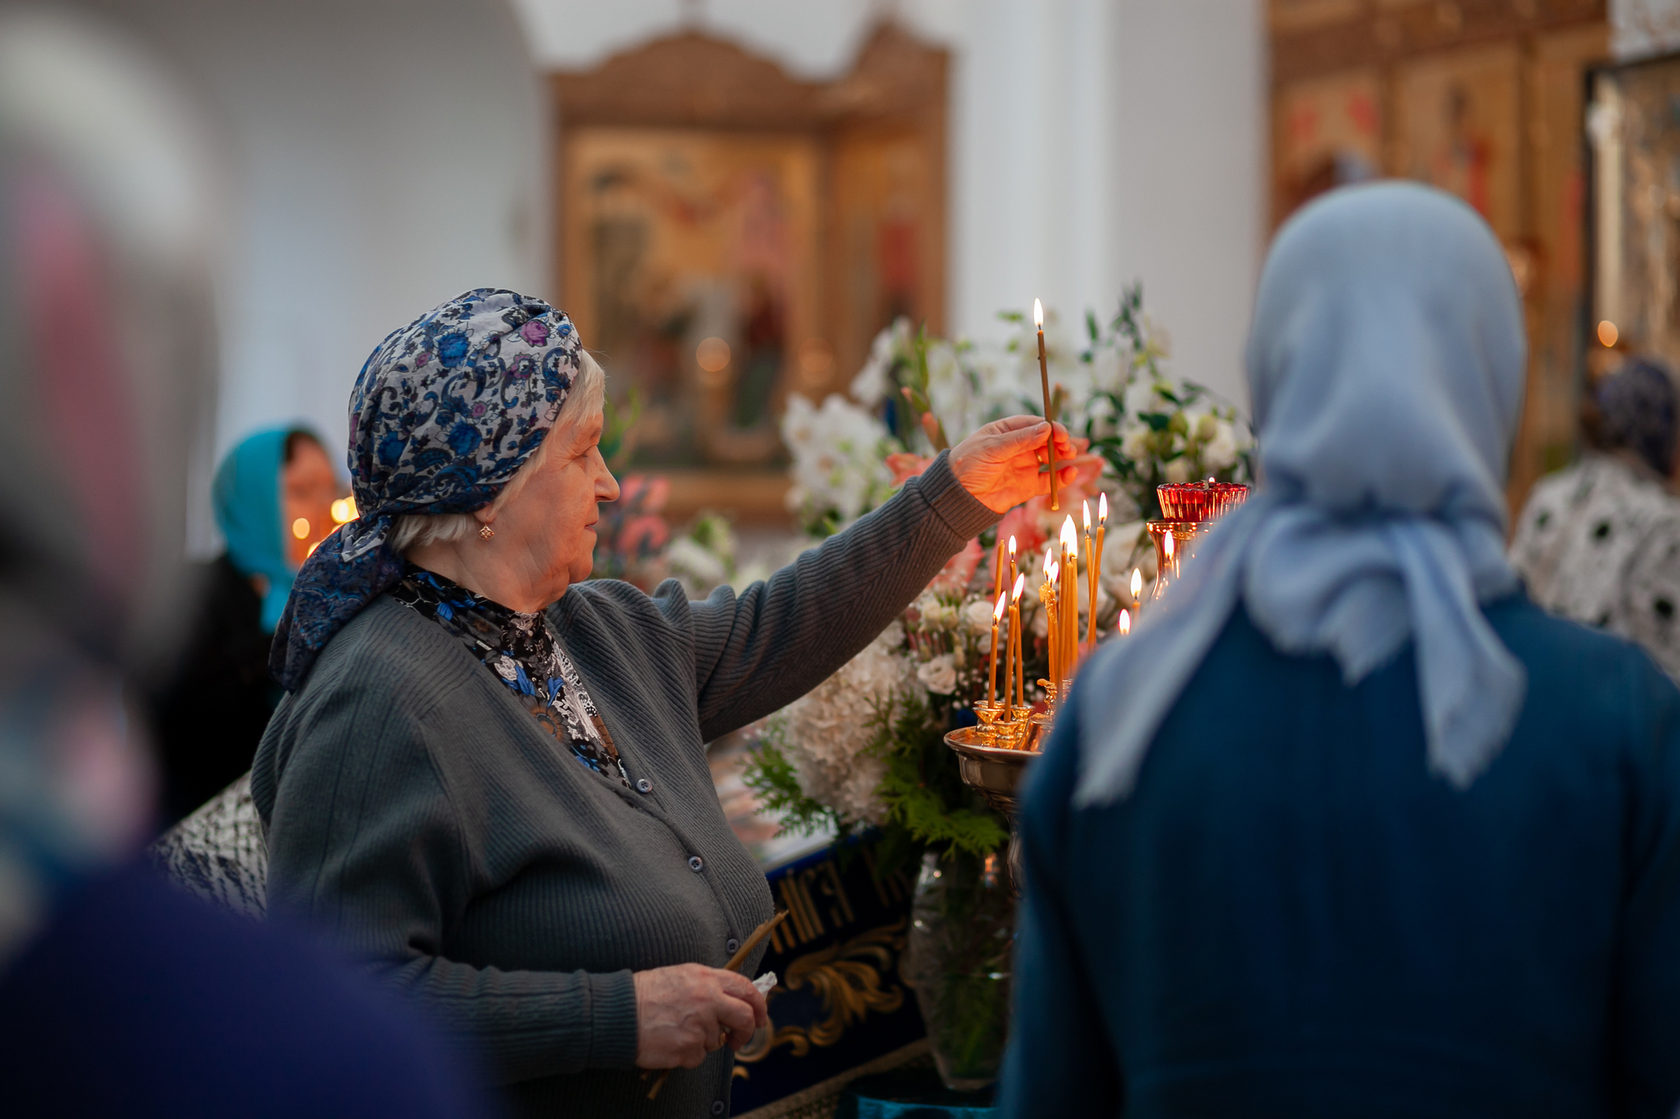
(1350, 826)
(272, 496)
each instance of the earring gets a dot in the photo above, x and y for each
(485, 532)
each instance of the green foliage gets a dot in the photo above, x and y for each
(771, 775)
(928, 806)
(617, 420)
(922, 789)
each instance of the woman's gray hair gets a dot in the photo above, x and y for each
(415, 529)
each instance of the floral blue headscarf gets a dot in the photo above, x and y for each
(445, 411)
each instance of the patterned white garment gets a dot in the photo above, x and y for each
(1600, 543)
(219, 852)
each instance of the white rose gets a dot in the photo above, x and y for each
(939, 615)
(939, 675)
(1221, 450)
(977, 615)
(870, 385)
(691, 562)
(1142, 395)
(1135, 443)
(1178, 470)
(1108, 369)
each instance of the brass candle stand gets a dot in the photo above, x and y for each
(991, 758)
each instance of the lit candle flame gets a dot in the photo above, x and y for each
(1012, 548)
(1167, 546)
(1085, 507)
(300, 528)
(1049, 559)
(997, 611)
(1020, 584)
(1102, 509)
(1052, 570)
(1137, 582)
(1125, 622)
(1070, 536)
(1038, 314)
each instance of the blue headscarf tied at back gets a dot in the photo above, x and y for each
(245, 495)
(1386, 363)
(445, 411)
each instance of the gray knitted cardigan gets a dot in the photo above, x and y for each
(416, 811)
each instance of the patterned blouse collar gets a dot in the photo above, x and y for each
(522, 652)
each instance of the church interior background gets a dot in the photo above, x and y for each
(734, 199)
(786, 180)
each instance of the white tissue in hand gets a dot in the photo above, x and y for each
(765, 982)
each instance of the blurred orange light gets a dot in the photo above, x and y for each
(712, 355)
(1608, 334)
(300, 528)
(816, 362)
(344, 510)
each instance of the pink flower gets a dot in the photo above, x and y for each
(535, 332)
(643, 536)
(1025, 524)
(959, 570)
(643, 493)
(905, 466)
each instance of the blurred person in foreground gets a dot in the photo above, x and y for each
(490, 775)
(119, 995)
(1351, 826)
(1599, 542)
(271, 494)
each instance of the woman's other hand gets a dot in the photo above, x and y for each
(999, 464)
(684, 1012)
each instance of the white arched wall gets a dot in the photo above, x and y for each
(385, 155)
(1093, 142)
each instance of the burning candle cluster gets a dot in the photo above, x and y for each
(1006, 717)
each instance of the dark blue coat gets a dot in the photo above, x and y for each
(1290, 916)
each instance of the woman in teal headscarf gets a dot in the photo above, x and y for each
(1351, 826)
(272, 497)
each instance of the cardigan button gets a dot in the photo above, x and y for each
(644, 786)
(731, 945)
(717, 1107)
(696, 863)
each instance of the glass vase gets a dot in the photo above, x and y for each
(958, 960)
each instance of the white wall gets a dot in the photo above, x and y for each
(386, 154)
(1193, 126)
(1093, 142)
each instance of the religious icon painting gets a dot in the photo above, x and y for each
(1459, 127)
(1326, 132)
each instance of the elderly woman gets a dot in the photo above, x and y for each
(1599, 542)
(1352, 827)
(489, 778)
